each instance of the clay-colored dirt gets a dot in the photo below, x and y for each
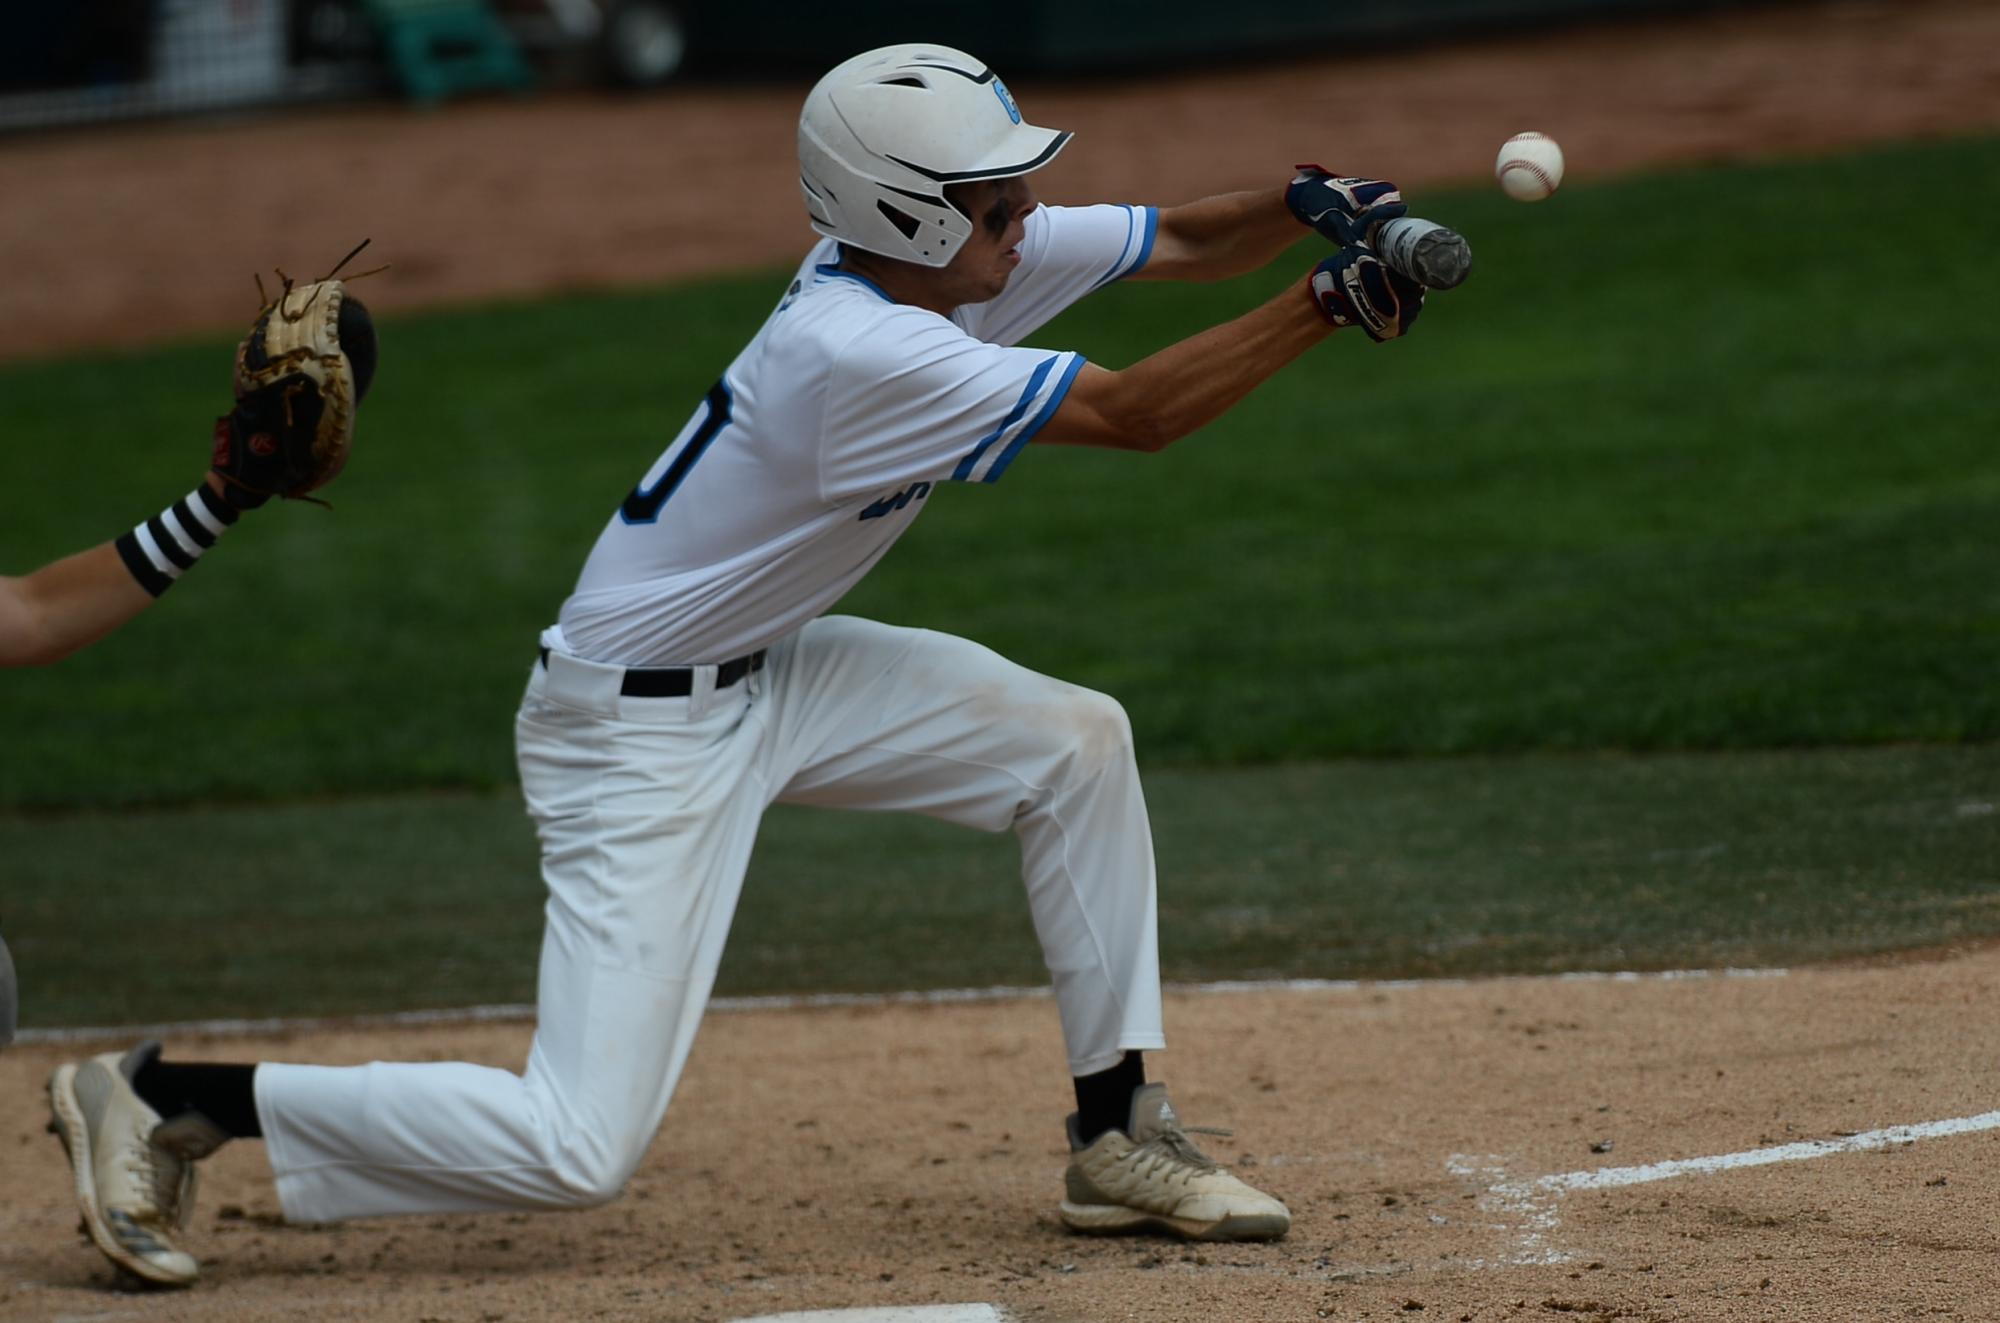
(907, 1155)
(118, 237)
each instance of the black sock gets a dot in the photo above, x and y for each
(1104, 1100)
(223, 1094)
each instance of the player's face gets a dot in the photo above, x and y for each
(999, 210)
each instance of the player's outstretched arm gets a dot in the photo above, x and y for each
(1232, 234)
(1218, 237)
(73, 602)
(1164, 397)
(300, 375)
(47, 615)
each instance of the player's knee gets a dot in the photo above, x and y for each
(1094, 730)
(587, 1188)
(592, 1173)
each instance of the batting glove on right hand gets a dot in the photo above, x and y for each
(1353, 288)
(1342, 209)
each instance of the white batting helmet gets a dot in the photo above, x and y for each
(883, 133)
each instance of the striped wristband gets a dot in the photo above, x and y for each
(158, 550)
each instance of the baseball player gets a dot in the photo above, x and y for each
(691, 680)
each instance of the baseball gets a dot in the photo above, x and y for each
(1530, 166)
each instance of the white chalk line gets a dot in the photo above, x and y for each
(1532, 1205)
(892, 1314)
(523, 1011)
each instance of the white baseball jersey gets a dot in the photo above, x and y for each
(818, 446)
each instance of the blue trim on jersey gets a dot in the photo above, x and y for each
(1112, 274)
(1126, 263)
(1049, 408)
(1146, 248)
(971, 461)
(836, 273)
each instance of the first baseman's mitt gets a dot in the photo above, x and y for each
(300, 374)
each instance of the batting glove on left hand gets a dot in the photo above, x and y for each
(1353, 288)
(1342, 209)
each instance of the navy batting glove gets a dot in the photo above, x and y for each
(1341, 208)
(1353, 288)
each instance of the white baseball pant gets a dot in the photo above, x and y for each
(647, 809)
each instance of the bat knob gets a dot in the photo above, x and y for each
(1441, 259)
(1426, 252)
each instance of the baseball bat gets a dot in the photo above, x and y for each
(1425, 251)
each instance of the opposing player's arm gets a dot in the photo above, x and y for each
(288, 434)
(1221, 236)
(47, 615)
(65, 605)
(1161, 398)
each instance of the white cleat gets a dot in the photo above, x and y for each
(1151, 1177)
(135, 1191)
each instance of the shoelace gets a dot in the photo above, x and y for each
(168, 1178)
(1172, 1148)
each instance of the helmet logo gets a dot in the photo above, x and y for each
(1007, 100)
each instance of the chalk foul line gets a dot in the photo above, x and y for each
(1530, 1208)
(892, 1314)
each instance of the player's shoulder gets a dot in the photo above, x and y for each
(830, 313)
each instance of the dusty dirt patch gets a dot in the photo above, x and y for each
(123, 236)
(906, 1155)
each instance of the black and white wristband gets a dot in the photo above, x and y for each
(158, 550)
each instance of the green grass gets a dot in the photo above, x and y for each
(1698, 461)
(1349, 869)
(1676, 529)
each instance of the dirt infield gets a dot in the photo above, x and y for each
(904, 1155)
(120, 237)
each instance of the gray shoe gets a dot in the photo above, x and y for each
(1151, 1177)
(135, 1178)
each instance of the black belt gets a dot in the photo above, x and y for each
(678, 681)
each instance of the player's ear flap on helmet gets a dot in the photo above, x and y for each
(883, 134)
(902, 220)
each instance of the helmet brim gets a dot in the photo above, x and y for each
(1026, 149)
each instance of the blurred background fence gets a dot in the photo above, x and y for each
(85, 61)
(63, 64)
